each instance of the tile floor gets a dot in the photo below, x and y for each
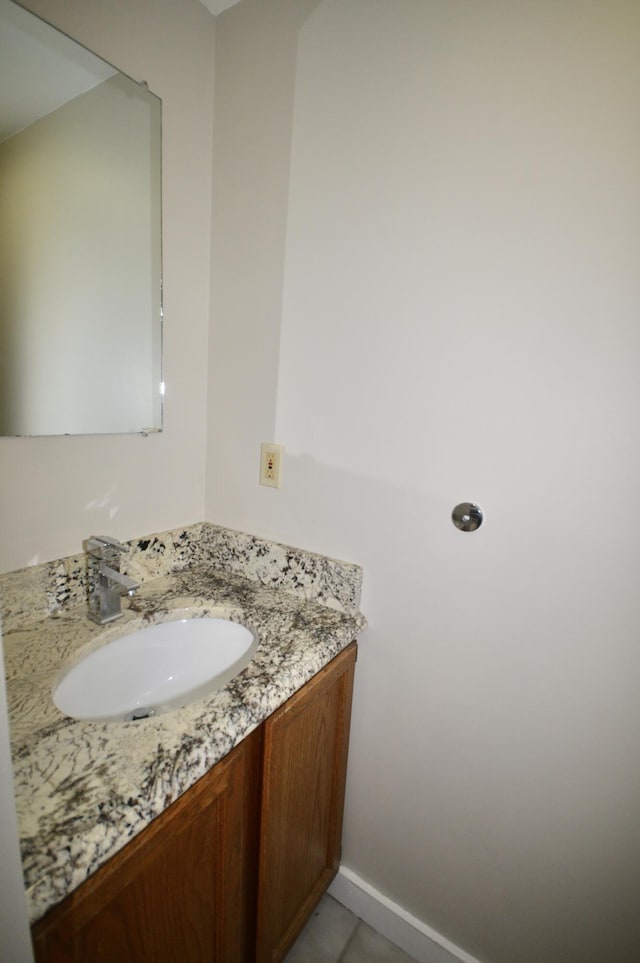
(335, 935)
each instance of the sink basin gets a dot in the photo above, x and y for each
(155, 669)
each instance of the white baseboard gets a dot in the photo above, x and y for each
(395, 923)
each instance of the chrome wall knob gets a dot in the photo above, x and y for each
(467, 516)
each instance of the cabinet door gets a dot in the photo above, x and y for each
(304, 772)
(182, 890)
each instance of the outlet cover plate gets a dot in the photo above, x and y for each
(271, 457)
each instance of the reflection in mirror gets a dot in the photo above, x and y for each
(80, 239)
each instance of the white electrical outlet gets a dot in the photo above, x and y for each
(271, 464)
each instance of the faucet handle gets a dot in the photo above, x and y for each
(103, 546)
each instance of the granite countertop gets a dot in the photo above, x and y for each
(84, 789)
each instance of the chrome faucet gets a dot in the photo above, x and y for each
(106, 582)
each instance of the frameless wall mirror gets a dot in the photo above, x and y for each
(80, 239)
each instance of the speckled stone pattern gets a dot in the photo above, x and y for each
(305, 574)
(84, 789)
(46, 590)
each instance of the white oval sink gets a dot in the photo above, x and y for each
(155, 669)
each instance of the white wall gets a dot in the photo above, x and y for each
(425, 286)
(56, 491)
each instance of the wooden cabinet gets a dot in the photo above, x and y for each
(304, 773)
(233, 869)
(182, 891)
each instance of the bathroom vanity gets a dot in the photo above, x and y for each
(233, 869)
(210, 832)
